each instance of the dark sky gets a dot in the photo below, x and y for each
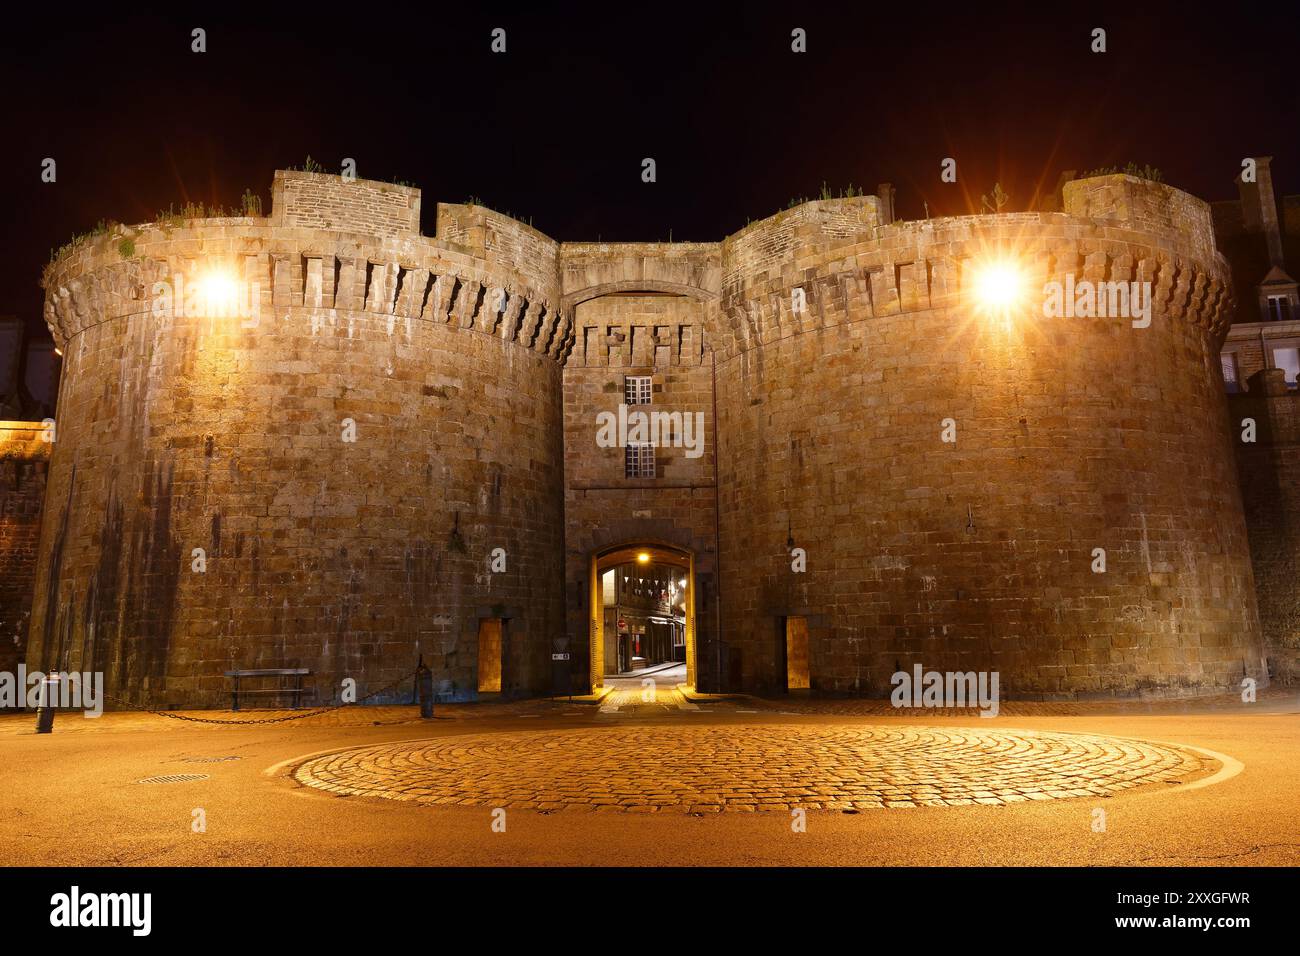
(556, 128)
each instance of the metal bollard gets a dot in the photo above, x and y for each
(48, 703)
(424, 688)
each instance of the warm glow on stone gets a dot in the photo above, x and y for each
(999, 285)
(219, 293)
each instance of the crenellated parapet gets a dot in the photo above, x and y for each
(592, 269)
(333, 248)
(322, 201)
(790, 241)
(502, 244)
(338, 246)
(847, 267)
(1169, 216)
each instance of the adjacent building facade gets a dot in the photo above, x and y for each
(27, 374)
(1261, 360)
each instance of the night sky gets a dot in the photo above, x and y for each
(556, 128)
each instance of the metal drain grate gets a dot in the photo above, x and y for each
(175, 778)
(205, 759)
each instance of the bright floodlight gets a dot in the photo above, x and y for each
(999, 285)
(643, 557)
(220, 293)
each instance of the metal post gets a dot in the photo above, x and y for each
(48, 703)
(424, 688)
(717, 538)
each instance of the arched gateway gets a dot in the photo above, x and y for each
(641, 352)
(650, 582)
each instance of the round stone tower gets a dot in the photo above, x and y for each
(980, 489)
(316, 439)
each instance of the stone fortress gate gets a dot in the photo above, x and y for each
(384, 446)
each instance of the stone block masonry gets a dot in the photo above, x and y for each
(660, 337)
(349, 557)
(470, 367)
(1070, 435)
(316, 201)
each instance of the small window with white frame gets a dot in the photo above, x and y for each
(1230, 377)
(637, 389)
(639, 460)
(1279, 308)
(1288, 360)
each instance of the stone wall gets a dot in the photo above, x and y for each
(592, 269)
(508, 247)
(24, 459)
(661, 336)
(323, 201)
(1270, 489)
(1170, 217)
(226, 433)
(472, 366)
(1071, 435)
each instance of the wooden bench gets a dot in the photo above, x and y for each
(296, 691)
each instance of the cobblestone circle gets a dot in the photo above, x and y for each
(751, 768)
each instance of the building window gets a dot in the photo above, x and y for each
(1289, 361)
(1279, 308)
(636, 389)
(1230, 379)
(639, 460)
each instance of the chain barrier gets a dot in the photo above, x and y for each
(264, 720)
